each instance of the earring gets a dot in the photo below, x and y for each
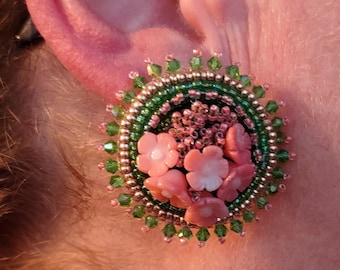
(195, 149)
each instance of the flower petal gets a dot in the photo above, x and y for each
(238, 144)
(158, 168)
(151, 184)
(144, 163)
(192, 160)
(239, 179)
(172, 158)
(206, 211)
(146, 142)
(195, 181)
(166, 141)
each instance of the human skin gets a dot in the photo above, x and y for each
(293, 47)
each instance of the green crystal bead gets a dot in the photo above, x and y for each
(118, 111)
(282, 155)
(169, 230)
(277, 123)
(111, 147)
(280, 137)
(248, 216)
(272, 188)
(173, 65)
(196, 63)
(259, 91)
(139, 82)
(244, 79)
(116, 181)
(111, 165)
(220, 230)
(185, 233)
(278, 173)
(125, 199)
(233, 72)
(151, 221)
(202, 235)
(112, 128)
(272, 107)
(236, 226)
(138, 211)
(262, 202)
(214, 63)
(154, 70)
(129, 96)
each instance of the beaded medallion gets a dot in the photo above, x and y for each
(195, 150)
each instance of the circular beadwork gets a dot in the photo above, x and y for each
(198, 112)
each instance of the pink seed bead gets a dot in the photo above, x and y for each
(199, 144)
(114, 203)
(101, 166)
(145, 229)
(226, 110)
(109, 107)
(214, 109)
(188, 141)
(187, 113)
(102, 127)
(196, 52)
(133, 74)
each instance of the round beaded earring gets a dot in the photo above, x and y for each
(195, 149)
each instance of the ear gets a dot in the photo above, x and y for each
(100, 43)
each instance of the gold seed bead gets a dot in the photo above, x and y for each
(139, 195)
(227, 79)
(219, 77)
(244, 93)
(125, 124)
(271, 142)
(123, 147)
(210, 76)
(268, 175)
(124, 139)
(173, 79)
(180, 77)
(252, 97)
(239, 86)
(124, 154)
(272, 163)
(126, 169)
(131, 183)
(196, 75)
(269, 128)
(166, 80)
(232, 83)
(267, 122)
(263, 116)
(141, 98)
(260, 109)
(189, 76)
(125, 162)
(272, 135)
(204, 75)
(273, 148)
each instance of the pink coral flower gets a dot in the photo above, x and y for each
(206, 169)
(206, 211)
(238, 144)
(172, 186)
(238, 179)
(157, 153)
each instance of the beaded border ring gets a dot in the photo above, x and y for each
(195, 149)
